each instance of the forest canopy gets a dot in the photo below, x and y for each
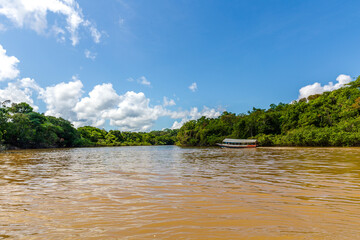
(328, 119)
(21, 127)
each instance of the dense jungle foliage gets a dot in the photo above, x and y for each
(92, 136)
(328, 119)
(21, 127)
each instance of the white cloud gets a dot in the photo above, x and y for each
(193, 87)
(8, 66)
(177, 125)
(316, 88)
(168, 102)
(20, 91)
(89, 54)
(133, 113)
(90, 109)
(33, 14)
(207, 112)
(62, 98)
(193, 114)
(29, 83)
(128, 112)
(142, 80)
(343, 79)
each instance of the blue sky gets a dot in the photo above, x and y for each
(130, 55)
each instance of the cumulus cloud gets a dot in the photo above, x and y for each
(193, 114)
(29, 83)
(62, 98)
(20, 91)
(8, 65)
(133, 113)
(193, 87)
(33, 14)
(168, 102)
(128, 112)
(90, 109)
(316, 88)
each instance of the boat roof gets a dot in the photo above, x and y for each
(239, 140)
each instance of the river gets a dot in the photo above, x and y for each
(168, 192)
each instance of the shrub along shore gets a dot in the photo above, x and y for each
(328, 119)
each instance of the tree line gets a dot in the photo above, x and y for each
(328, 119)
(22, 127)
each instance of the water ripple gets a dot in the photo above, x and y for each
(180, 193)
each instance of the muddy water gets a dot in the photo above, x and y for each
(180, 193)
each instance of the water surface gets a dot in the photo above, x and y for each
(180, 193)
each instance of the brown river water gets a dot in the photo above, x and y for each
(180, 193)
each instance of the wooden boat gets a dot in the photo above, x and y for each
(238, 143)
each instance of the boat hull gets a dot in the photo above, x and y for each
(236, 146)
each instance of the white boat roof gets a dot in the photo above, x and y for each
(239, 140)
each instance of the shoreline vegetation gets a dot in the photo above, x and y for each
(331, 119)
(22, 128)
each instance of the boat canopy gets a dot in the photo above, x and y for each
(229, 140)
